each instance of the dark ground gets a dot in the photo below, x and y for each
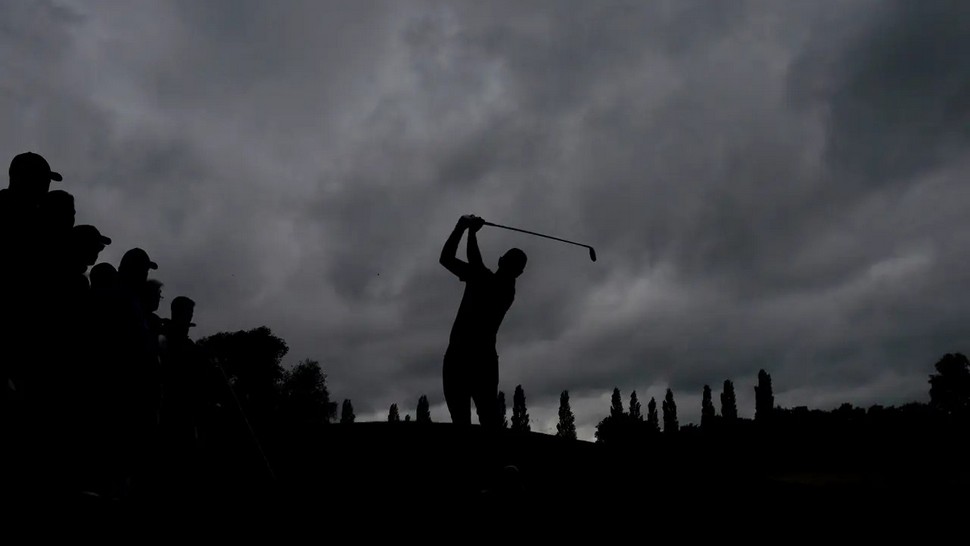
(379, 479)
(436, 468)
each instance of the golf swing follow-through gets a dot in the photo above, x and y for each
(470, 369)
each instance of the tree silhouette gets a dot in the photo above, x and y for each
(392, 415)
(251, 361)
(604, 430)
(347, 412)
(407, 418)
(670, 413)
(653, 422)
(635, 407)
(520, 417)
(305, 396)
(729, 405)
(707, 408)
(567, 422)
(764, 400)
(615, 427)
(424, 410)
(501, 410)
(950, 386)
(616, 404)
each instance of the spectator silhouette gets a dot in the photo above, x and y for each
(106, 310)
(57, 213)
(139, 379)
(87, 243)
(134, 268)
(30, 177)
(183, 310)
(181, 366)
(151, 299)
(107, 378)
(59, 337)
(30, 180)
(133, 283)
(183, 382)
(104, 278)
(56, 295)
(29, 248)
(471, 362)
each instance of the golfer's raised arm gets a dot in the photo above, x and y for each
(474, 254)
(449, 252)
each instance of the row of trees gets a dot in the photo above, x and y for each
(394, 416)
(520, 416)
(949, 403)
(618, 420)
(270, 395)
(621, 423)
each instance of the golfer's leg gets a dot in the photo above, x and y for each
(485, 393)
(457, 396)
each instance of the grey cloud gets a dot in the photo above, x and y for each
(768, 185)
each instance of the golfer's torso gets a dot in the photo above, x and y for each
(483, 306)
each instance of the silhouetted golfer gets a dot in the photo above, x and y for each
(471, 361)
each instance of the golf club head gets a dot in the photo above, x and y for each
(592, 254)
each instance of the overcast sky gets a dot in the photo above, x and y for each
(768, 184)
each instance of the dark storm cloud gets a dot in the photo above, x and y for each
(898, 95)
(768, 185)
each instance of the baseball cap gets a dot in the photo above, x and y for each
(137, 256)
(29, 164)
(87, 232)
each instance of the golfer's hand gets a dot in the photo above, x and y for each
(473, 222)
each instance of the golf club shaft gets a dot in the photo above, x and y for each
(538, 234)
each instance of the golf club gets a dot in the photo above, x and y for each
(592, 253)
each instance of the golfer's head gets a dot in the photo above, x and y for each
(512, 263)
